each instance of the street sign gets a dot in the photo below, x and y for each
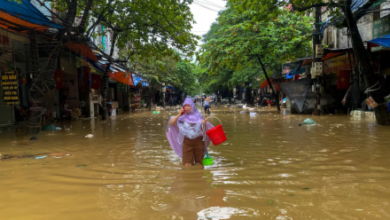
(381, 27)
(10, 85)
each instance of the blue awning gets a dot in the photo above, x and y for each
(293, 73)
(98, 66)
(137, 79)
(26, 11)
(382, 41)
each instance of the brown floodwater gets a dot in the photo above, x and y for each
(269, 168)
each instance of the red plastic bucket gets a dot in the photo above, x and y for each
(216, 135)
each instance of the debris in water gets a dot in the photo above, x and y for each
(81, 165)
(270, 202)
(33, 139)
(309, 121)
(58, 128)
(40, 157)
(305, 188)
(300, 125)
(89, 136)
(59, 154)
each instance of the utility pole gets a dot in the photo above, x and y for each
(316, 40)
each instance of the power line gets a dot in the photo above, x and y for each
(206, 7)
(206, 2)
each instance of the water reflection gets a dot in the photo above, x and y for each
(185, 194)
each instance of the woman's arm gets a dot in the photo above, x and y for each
(173, 121)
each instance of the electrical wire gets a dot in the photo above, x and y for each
(206, 7)
(207, 3)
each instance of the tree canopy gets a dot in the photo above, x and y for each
(169, 69)
(233, 46)
(144, 26)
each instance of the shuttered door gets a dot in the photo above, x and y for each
(6, 112)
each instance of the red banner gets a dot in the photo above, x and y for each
(58, 78)
(122, 77)
(343, 80)
(95, 82)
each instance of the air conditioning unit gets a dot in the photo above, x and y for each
(319, 50)
(316, 69)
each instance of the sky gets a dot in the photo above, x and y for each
(205, 13)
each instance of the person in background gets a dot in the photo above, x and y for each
(82, 107)
(269, 104)
(207, 105)
(109, 108)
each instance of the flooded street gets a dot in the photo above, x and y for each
(269, 168)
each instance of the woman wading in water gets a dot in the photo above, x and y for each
(186, 134)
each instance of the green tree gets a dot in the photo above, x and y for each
(144, 27)
(245, 44)
(169, 69)
(344, 14)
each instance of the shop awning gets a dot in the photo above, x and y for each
(264, 84)
(122, 77)
(22, 16)
(296, 68)
(291, 74)
(97, 66)
(82, 50)
(331, 55)
(381, 41)
(137, 79)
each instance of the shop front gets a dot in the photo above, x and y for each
(13, 71)
(338, 76)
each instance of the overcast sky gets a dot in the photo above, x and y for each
(205, 13)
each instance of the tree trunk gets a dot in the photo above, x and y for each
(229, 96)
(363, 62)
(150, 98)
(163, 99)
(269, 83)
(70, 16)
(105, 77)
(85, 16)
(247, 94)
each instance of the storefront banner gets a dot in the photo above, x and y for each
(381, 27)
(337, 64)
(10, 85)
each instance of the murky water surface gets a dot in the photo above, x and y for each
(270, 168)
